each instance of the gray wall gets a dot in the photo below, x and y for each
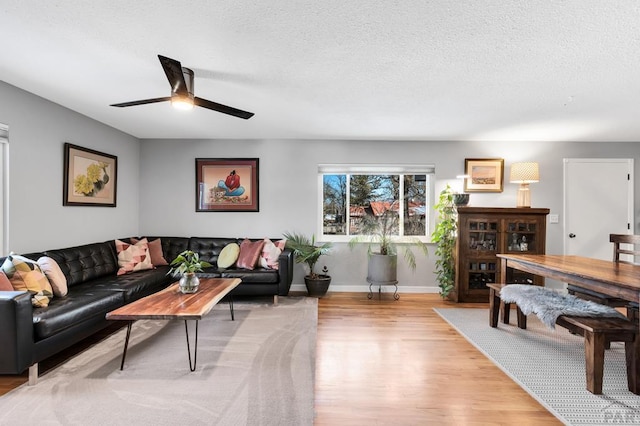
(38, 130)
(156, 183)
(288, 188)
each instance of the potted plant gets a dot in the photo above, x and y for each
(185, 265)
(444, 236)
(383, 263)
(306, 251)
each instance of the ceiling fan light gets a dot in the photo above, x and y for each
(182, 103)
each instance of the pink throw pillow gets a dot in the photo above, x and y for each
(5, 284)
(249, 254)
(155, 251)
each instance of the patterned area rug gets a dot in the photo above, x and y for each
(550, 366)
(258, 370)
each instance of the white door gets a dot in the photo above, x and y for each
(598, 201)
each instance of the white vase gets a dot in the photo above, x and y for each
(189, 283)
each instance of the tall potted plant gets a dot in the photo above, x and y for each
(444, 236)
(379, 231)
(185, 266)
(306, 251)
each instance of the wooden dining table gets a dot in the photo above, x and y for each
(621, 280)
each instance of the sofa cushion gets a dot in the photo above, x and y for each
(209, 248)
(81, 303)
(55, 276)
(137, 284)
(84, 263)
(26, 275)
(133, 257)
(249, 253)
(247, 276)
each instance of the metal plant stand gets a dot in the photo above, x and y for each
(396, 296)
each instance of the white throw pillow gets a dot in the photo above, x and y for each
(55, 276)
(270, 253)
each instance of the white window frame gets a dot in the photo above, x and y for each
(428, 170)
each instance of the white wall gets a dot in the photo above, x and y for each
(288, 188)
(38, 130)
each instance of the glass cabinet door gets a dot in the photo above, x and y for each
(521, 236)
(483, 236)
(481, 247)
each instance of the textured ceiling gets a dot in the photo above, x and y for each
(360, 69)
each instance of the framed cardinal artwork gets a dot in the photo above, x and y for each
(227, 185)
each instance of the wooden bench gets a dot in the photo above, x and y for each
(597, 333)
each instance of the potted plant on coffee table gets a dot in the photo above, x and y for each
(306, 251)
(185, 265)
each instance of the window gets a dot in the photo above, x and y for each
(352, 194)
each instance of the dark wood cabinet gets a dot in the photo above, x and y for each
(485, 231)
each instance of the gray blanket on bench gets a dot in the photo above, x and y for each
(548, 305)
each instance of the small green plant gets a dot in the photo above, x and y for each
(187, 262)
(380, 230)
(444, 236)
(306, 251)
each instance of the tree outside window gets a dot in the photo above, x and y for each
(349, 198)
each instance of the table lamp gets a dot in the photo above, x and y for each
(524, 174)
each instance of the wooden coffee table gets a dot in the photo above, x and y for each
(170, 304)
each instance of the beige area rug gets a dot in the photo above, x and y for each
(256, 370)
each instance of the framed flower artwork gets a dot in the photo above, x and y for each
(90, 177)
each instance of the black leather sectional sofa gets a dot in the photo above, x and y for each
(29, 334)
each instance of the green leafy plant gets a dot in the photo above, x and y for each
(187, 262)
(444, 236)
(306, 251)
(380, 231)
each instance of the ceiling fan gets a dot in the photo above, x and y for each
(181, 81)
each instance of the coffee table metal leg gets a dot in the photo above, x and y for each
(233, 318)
(126, 344)
(195, 349)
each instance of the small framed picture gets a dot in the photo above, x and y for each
(227, 185)
(90, 177)
(484, 174)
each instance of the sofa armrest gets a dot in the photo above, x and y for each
(285, 270)
(16, 331)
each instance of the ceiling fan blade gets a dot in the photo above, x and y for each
(173, 70)
(222, 108)
(141, 102)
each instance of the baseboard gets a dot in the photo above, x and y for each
(364, 288)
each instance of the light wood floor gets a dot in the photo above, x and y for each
(386, 362)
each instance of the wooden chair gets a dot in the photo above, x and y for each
(622, 245)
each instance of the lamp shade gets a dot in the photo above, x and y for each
(524, 173)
